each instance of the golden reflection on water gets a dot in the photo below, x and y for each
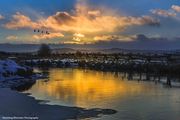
(86, 87)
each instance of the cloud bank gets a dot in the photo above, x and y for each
(172, 12)
(84, 20)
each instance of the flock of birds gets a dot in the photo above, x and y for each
(41, 31)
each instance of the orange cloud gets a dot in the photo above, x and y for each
(171, 12)
(21, 21)
(94, 13)
(11, 37)
(77, 37)
(115, 37)
(175, 8)
(163, 13)
(89, 21)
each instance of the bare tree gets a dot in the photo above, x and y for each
(44, 50)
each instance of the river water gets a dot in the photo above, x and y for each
(94, 89)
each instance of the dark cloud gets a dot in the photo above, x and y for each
(63, 17)
(143, 38)
(150, 21)
(141, 42)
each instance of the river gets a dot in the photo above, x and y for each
(94, 89)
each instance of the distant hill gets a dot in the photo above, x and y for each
(60, 48)
(18, 47)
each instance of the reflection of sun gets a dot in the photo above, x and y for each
(83, 87)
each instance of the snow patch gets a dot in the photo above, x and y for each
(9, 69)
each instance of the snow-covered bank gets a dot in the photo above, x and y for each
(10, 70)
(15, 76)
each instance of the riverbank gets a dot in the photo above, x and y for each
(21, 106)
(18, 106)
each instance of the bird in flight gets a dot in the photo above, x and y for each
(41, 31)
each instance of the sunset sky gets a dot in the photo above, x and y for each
(90, 21)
